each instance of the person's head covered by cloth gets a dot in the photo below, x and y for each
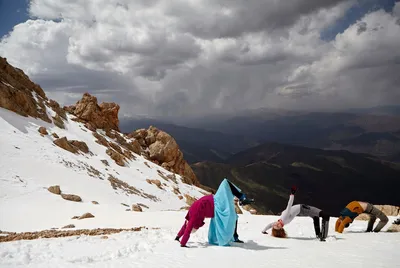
(222, 226)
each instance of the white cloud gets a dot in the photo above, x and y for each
(193, 57)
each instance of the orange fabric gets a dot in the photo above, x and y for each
(340, 224)
(354, 207)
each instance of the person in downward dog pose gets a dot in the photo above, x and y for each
(353, 209)
(299, 210)
(220, 208)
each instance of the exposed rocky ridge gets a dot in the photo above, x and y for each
(162, 149)
(19, 94)
(102, 116)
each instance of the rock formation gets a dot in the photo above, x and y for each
(164, 151)
(103, 116)
(19, 94)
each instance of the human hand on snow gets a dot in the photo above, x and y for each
(293, 189)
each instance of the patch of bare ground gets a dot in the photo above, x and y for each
(60, 233)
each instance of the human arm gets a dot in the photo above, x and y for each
(340, 226)
(269, 226)
(186, 235)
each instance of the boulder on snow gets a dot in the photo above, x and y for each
(136, 208)
(68, 226)
(55, 135)
(80, 145)
(65, 144)
(54, 189)
(72, 146)
(57, 120)
(95, 202)
(155, 182)
(117, 157)
(85, 216)
(43, 131)
(71, 197)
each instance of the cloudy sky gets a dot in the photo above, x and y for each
(194, 57)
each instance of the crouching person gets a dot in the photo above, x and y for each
(355, 208)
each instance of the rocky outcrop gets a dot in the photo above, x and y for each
(155, 182)
(72, 146)
(19, 94)
(86, 216)
(136, 208)
(118, 158)
(59, 233)
(163, 150)
(68, 226)
(54, 189)
(43, 131)
(103, 116)
(71, 197)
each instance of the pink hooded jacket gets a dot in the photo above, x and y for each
(200, 209)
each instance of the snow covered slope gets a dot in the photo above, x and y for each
(157, 248)
(30, 163)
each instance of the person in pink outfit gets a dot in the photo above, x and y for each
(200, 209)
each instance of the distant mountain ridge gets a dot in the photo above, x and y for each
(326, 179)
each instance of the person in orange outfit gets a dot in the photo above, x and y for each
(355, 208)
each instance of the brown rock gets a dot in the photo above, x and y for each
(71, 197)
(42, 130)
(57, 108)
(17, 91)
(105, 162)
(136, 208)
(85, 216)
(100, 139)
(189, 199)
(136, 148)
(95, 202)
(104, 237)
(103, 116)
(166, 151)
(55, 135)
(57, 120)
(64, 144)
(180, 197)
(68, 226)
(54, 189)
(89, 126)
(72, 146)
(80, 145)
(176, 190)
(116, 147)
(117, 157)
(156, 182)
(75, 217)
